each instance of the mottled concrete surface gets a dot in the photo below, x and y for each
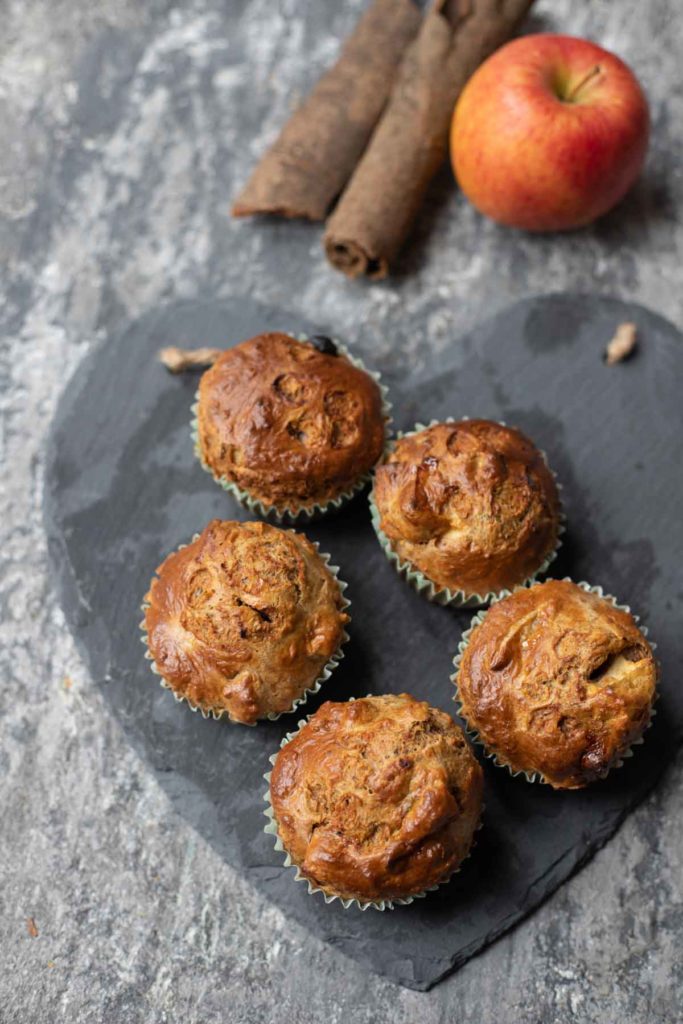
(125, 129)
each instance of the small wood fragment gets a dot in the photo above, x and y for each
(622, 344)
(179, 359)
(32, 927)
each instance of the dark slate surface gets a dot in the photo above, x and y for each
(123, 489)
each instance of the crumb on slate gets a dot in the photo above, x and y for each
(622, 344)
(179, 359)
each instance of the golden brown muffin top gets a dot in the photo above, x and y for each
(377, 798)
(472, 505)
(243, 619)
(287, 423)
(558, 681)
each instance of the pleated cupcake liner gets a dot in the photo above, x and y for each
(384, 904)
(294, 513)
(422, 583)
(537, 777)
(272, 716)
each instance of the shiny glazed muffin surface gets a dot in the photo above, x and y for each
(377, 798)
(289, 424)
(243, 619)
(558, 681)
(472, 505)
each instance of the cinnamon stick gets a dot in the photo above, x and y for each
(317, 150)
(375, 213)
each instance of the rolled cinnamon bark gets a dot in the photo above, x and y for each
(380, 203)
(313, 158)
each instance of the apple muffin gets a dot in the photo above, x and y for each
(376, 799)
(295, 426)
(558, 682)
(469, 508)
(245, 620)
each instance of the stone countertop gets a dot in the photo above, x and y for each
(126, 128)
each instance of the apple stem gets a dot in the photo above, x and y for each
(593, 73)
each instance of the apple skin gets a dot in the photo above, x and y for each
(528, 157)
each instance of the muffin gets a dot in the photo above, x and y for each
(376, 800)
(558, 682)
(245, 620)
(466, 510)
(290, 426)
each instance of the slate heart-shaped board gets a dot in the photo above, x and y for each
(123, 489)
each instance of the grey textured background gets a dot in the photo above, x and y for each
(125, 129)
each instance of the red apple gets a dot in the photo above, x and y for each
(549, 133)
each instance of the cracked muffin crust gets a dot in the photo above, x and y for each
(244, 619)
(377, 798)
(472, 505)
(291, 424)
(557, 681)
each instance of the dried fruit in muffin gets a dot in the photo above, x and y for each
(557, 681)
(377, 798)
(244, 619)
(471, 505)
(291, 423)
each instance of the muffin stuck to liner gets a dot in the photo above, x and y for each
(245, 620)
(468, 508)
(558, 682)
(290, 426)
(376, 800)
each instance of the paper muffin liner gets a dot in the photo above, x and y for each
(272, 716)
(384, 904)
(292, 514)
(422, 583)
(472, 732)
